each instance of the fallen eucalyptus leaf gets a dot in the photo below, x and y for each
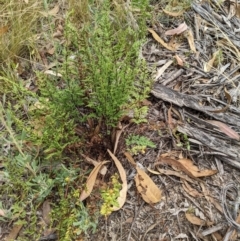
(180, 29)
(123, 192)
(158, 39)
(147, 188)
(225, 129)
(188, 164)
(197, 221)
(91, 181)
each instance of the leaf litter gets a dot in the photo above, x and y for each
(206, 118)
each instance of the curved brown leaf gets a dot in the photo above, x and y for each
(91, 181)
(123, 192)
(180, 29)
(164, 44)
(197, 221)
(147, 188)
(188, 164)
(225, 129)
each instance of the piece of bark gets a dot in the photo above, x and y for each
(183, 100)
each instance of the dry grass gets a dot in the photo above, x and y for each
(20, 19)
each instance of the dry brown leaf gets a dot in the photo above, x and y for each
(123, 192)
(191, 191)
(91, 181)
(180, 29)
(118, 133)
(14, 232)
(130, 158)
(51, 51)
(225, 129)
(218, 237)
(174, 164)
(188, 164)
(173, 14)
(159, 40)
(197, 221)
(145, 185)
(174, 173)
(153, 172)
(3, 30)
(102, 171)
(179, 60)
(147, 188)
(46, 210)
(190, 38)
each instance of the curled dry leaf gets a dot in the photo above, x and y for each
(174, 164)
(147, 188)
(91, 181)
(153, 172)
(225, 129)
(180, 29)
(176, 174)
(187, 163)
(186, 166)
(145, 185)
(123, 192)
(173, 14)
(179, 60)
(159, 40)
(197, 221)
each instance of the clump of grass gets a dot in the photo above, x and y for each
(20, 20)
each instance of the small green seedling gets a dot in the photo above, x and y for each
(138, 144)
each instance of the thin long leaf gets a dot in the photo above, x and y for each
(123, 192)
(91, 181)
